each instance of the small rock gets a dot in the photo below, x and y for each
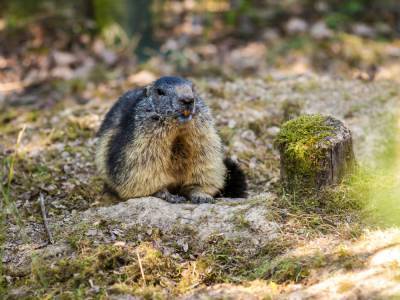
(95, 289)
(63, 58)
(273, 131)
(270, 35)
(62, 72)
(85, 68)
(108, 56)
(51, 187)
(208, 50)
(296, 25)
(67, 169)
(116, 232)
(91, 232)
(65, 154)
(142, 78)
(249, 135)
(393, 51)
(321, 6)
(68, 186)
(224, 105)
(320, 31)
(363, 30)
(247, 58)
(253, 163)
(383, 29)
(239, 146)
(182, 243)
(120, 244)
(170, 45)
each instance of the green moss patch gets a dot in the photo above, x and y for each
(301, 141)
(301, 136)
(107, 269)
(141, 269)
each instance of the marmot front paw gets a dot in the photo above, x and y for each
(171, 198)
(199, 198)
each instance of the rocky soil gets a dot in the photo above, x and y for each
(266, 246)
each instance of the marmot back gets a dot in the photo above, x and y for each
(161, 141)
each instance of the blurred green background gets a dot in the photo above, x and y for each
(239, 36)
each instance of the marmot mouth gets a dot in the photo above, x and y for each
(185, 115)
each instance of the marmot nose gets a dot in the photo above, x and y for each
(187, 101)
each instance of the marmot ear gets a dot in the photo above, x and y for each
(193, 88)
(147, 90)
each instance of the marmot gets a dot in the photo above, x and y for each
(160, 140)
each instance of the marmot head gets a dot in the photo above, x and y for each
(171, 98)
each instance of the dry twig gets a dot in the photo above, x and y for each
(46, 225)
(140, 266)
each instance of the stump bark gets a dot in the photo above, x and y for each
(315, 151)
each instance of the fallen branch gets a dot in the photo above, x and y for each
(46, 225)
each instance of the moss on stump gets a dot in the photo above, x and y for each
(315, 151)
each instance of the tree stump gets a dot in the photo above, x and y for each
(315, 151)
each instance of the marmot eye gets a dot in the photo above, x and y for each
(160, 92)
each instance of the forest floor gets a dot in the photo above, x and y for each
(269, 246)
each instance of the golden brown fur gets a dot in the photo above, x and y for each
(161, 140)
(188, 158)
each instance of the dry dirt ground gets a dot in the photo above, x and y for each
(269, 246)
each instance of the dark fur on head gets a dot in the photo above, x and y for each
(169, 98)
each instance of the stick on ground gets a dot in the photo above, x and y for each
(141, 267)
(45, 222)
